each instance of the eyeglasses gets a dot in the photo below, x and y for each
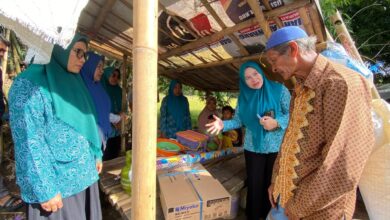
(80, 53)
(2, 50)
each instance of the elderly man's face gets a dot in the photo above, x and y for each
(284, 64)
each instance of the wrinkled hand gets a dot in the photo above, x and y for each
(216, 126)
(268, 123)
(99, 166)
(271, 196)
(53, 205)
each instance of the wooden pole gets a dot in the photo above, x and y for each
(316, 21)
(345, 38)
(5, 59)
(254, 5)
(124, 103)
(144, 138)
(306, 21)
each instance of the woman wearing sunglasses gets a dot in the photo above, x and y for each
(57, 146)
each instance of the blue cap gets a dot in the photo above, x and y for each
(284, 35)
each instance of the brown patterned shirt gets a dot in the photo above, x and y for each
(326, 145)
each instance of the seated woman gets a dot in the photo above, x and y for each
(174, 112)
(91, 73)
(110, 82)
(209, 109)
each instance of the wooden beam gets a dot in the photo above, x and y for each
(243, 51)
(128, 4)
(306, 21)
(213, 64)
(124, 103)
(254, 5)
(206, 40)
(266, 4)
(317, 25)
(105, 9)
(219, 35)
(178, 21)
(144, 137)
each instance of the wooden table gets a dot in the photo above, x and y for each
(230, 172)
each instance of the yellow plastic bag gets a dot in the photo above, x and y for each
(375, 181)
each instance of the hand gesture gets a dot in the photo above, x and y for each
(53, 204)
(99, 166)
(216, 126)
(268, 123)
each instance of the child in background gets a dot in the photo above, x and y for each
(215, 141)
(232, 138)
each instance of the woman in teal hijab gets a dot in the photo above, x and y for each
(174, 112)
(110, 82)
(57, 146)
(263, 108)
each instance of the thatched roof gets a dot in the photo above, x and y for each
(201, 42)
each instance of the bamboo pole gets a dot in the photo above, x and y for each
(5, 59)
(316, 21)
(254, 5)
(306, 21)
(15, 55)
(144, 136)
(345, 37)
(124, 103)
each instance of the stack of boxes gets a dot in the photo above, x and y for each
(192, 193)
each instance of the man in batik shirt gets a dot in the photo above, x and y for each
(330, 133)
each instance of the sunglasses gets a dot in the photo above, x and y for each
(2, 50)
(80, 53)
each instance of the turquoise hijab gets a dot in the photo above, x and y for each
(257, 101)
(177, 106)
(72, 103)
(114, 92)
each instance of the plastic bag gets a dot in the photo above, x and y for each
(375, 180)
(337, 53)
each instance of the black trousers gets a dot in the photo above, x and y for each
(259, 175)
(113, 148)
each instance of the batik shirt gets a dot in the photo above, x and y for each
(328, 140)
(51, 157)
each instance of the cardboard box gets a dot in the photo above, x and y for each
(192, 193)
(178, 198)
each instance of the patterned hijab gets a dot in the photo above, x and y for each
(257, 101)
(114, 92)
(72, 103)
(99, 96)
(177, 106)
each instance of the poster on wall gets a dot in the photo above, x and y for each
(193, 15)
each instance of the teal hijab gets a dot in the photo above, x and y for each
(114, 92)
(177, 106)
(257, 101)
(72, 103)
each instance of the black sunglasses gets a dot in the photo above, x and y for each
(3, 50)
(80, 53)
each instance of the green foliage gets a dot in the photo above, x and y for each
(368, 22)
